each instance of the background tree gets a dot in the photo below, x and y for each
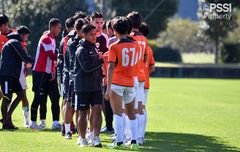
(216, 29)
(182, 34)
(157, 19)
(36, 14)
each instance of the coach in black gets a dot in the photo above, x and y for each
(87, 84)
(11, 60)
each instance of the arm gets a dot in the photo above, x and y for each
(49, 49)
(21, 52)
(111, 67)
(85, 62)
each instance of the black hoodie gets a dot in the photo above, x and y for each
(87, 68)
(12, 57)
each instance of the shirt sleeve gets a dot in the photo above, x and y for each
(151, 57)
(112, 55)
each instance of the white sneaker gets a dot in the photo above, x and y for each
(56, 125)
(78, 141)
(42, 124)
(97, 142)
(34, 125)
(26, 124)
(83, 142)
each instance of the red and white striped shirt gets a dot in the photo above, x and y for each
(45, 56)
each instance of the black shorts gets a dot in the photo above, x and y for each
(40, 81)
(10, 85)
(84, 99)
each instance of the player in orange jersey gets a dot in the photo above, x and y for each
(149, 67)
(120, 87)
(136, 19)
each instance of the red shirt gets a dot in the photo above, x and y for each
(45, 55)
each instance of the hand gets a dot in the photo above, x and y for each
(107, 94)
(29, 65)
(53, 76)
(100, 55)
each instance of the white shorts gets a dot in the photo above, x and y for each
(139, 93)
(22, 78)
(145, 96)
(127, 93)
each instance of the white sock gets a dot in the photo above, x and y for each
(33, 123)
(67, 128)
(118, 123)
(140, 125)
(124, 123)
(127, 130)
(91, 135)
(25, 113)
(145, 122)
(55, 122)
(43, 121)
(133, 125)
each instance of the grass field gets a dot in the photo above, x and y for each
(184, 115)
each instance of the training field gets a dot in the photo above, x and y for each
(184, 115)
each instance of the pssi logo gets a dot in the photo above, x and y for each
(218, 7)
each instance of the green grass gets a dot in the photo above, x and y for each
(184, 115)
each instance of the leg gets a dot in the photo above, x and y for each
(116, 104)
(82, 123)
(97, 119)
(14, 104)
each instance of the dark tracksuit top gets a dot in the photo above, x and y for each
(12, 57)
(87, 68)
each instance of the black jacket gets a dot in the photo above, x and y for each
(66, 66)
(12, 57)
(87, 68)
(71, 51)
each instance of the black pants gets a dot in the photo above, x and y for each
(42, 87)
(108, 113)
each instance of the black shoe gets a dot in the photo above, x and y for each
(9, 126)
(68, 135)
(98, 146)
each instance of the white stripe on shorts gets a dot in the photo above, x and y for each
(75, 106)
(6, 87)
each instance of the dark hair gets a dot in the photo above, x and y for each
(121, 25)
(87, 28)
(109, 24)
(88, 18)
(104, 25)
(129, 26)
(96, 15)
(144, 29)
(54, 22)
(79, 24)
(136, 19)
(23, 30)
(69, 23)
(79, 14)
(3, 19)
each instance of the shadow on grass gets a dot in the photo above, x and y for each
(180, 142)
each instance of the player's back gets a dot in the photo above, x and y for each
(123, 54)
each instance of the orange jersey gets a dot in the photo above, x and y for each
(142, 41)
(123, 54)
(150, 61)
